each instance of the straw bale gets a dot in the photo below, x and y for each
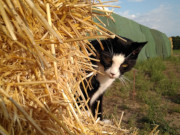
(44, 56)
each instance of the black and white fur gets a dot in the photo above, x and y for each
(117, 58)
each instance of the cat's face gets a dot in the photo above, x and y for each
(116, 63)
(112, 63)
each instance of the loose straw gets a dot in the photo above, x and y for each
(74, 113)
(119, 124)
(3, 131)
(43, 20)
(23, 112)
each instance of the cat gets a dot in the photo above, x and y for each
(117, 58)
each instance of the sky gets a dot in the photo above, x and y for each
(162, 15)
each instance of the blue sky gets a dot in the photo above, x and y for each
(163, 15)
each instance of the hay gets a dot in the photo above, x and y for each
(44, 56)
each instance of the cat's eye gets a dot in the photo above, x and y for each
(124, 65)
(108, 62)
(106, 59)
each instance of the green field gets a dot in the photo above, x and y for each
(150, 96)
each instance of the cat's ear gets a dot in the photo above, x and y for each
(137, 46)
(135, 50)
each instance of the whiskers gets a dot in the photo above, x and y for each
(124, 80)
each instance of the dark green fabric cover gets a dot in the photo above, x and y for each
(158, 42)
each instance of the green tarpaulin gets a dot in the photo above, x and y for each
(158, 42)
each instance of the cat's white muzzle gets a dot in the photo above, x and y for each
(111, 74)
(114, 71)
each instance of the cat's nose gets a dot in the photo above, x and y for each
(112, 74)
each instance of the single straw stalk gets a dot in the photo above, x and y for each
(52, 45)
(7, 22)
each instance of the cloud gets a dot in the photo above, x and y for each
(164, 18)
(127, 14)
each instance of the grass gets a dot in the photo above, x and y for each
(157, 85)
(176, 52)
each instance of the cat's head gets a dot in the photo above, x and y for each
(119, 57)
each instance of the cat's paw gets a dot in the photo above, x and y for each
(107, 122)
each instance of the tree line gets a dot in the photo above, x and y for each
(176, 42)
